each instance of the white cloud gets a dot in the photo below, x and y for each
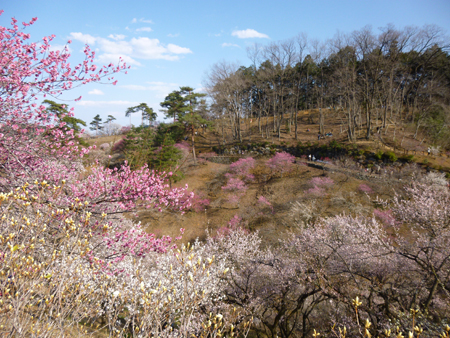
(84, 38)
(141, 20)
(96, 92)
(114, 58)
(137, 48)
(88, 103)
(117, 36)
(177, 49)
(226, 44)
(144, 29)
(146, 48)
(173, 35)
(249, 33)
(115, 47)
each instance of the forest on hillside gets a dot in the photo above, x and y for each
(373, 81)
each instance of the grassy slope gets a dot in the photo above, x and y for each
(283, 193)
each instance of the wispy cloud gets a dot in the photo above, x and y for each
(216, 34)
(96, 92)
(177, 49)
(173, 35)
(84, 38)
(114, 58)
(117, 36)
(226, 44)
(144, 29)
(135, 20)
(136, 48)
(249, 33)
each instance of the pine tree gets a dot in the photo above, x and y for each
(62, 113)
(146, 111)
(64, 121)
(96, 124)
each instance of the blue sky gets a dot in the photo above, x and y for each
(174, 43)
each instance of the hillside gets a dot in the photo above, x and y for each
(289, 193)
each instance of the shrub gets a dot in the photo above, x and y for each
(104, 146)
(408, 158)
(384, 216)
(125, 130)
(378, 155)
(316, 192)
(119, 146)
(281, 163)
(322, 181)
(200, 201)
(241, 169)
(264, 201)
(390, 156)
(235, 184)
(365, 189)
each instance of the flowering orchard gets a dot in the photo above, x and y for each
(63, 267)
(69, 262)
(72, 265)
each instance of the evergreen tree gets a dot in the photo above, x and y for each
(167, 159)
(174, 104)
(109, 119)
(139, 146)
(62, 113)
(192, 119)
(64, 120)
(146, 111)
(96, 124)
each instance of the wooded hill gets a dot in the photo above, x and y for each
(371, 81)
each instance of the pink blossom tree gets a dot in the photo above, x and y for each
(238, 176)
(32, 149)
(324, 181)
(237, 188)
(265, 202)
(71, 232)
(242, 169)
(200, 201)
(365, 189)
(281, 163)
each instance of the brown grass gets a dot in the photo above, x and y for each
(281, 192)
(344, 196)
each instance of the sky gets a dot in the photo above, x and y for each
(170, 44)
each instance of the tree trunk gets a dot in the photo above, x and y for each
(193, 145)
